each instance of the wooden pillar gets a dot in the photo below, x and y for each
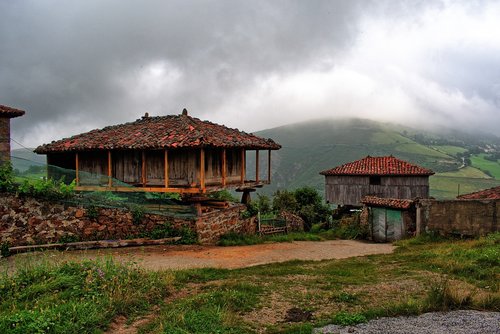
(166, 169)
(144, 170)
(77, 167)
(269, 166)
(257, 166)
(110, 175)
(224, 167)
(243, 166)
(202, 169)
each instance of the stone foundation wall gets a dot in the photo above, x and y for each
(458, 217)
(25, 221)
(211, 226)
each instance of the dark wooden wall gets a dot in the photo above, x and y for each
(348, 190)
(127, 167)
(61, 165)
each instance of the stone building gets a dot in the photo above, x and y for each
(6, 113)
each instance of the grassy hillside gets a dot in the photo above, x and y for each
(313, 146)
(23, 158)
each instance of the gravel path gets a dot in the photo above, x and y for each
(195, 256)
(456, 322)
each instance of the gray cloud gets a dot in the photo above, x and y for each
(75, 66)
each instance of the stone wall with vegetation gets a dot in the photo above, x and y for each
(458, 217)
(25, 221)
(211, 226)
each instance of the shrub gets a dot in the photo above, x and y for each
(284, 200)
(92, 212)
(263, 204)
(6, 177)
(4, 249)
(223, 195)
(348, 319)
(137, 214)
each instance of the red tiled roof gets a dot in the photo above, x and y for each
(394, 203)
(10, 112)
(173, 131)
(379, 166)
(492, 193)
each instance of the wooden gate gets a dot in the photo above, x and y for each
(386, 224)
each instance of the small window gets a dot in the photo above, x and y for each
(375, 180)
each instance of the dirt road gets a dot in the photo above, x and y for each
(182, 257)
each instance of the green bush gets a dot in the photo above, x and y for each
(47, 189)
(6, 177)
(223, 195)
(264, 204)
(348, 319)
(284, 200)
(92, 212)
(137, 214)
(4, 249)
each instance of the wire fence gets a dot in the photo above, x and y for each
(36, 174)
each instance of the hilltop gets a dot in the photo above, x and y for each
(309, 147)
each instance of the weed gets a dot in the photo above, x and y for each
(92, 212)
(137, 214)
(442, 297)
(4, 249)
(348, 319)
(67, 238)
(345, 297)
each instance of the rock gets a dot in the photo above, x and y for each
(79, 213)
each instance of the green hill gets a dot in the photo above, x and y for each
(313, 146)
(23, 158)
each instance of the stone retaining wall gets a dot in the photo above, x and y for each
(25, 221)
(458, 217)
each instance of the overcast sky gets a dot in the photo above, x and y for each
(79, 65)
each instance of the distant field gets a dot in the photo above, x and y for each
(467, 172)
(446, 187)
(416, 148)
(480, 162)
(450, 150)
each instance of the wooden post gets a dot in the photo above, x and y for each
(257, 166)
(110, 175)
(243, 166)
(144, 171)
(77, 166)
(202, 169)
(224, 167)
(269, 166)
(166, 169)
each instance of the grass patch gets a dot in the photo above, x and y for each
(235, 239)
(424, 274)
(75, 297)
(446, 187)
(491, 167)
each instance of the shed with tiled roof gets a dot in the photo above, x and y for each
(491, 193)
(6, 113)
(385, 177)
(175, 153)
